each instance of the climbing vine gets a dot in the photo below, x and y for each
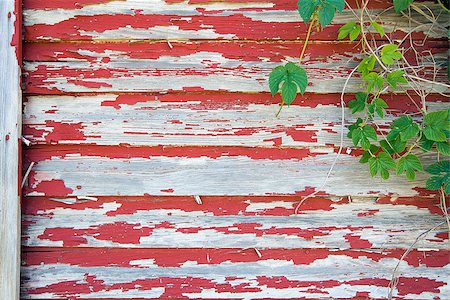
(384, 68)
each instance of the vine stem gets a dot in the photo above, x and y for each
(308, 35)
(279, 110)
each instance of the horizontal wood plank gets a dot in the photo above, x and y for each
(222, 222)
(198, 66)
(196, 119)
(120, 170)
(159, 19)
(232, 273)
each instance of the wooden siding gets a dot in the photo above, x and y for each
(161, 169)
(10, 150)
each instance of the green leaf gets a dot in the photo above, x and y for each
(400, 5)
(382, 163)
(394, 146)
(361, 135)
(377, 105)
(426, 144)
(405, 128)
(436, 125)
(409, 164)
(326, 14)
(367, 154)
(288, 91)
(443, 148)
(441, 170)
(434, 183)
(277, 75)
(395, 78)
(338, 4)
(390, 53)
(378, 28)
(297, 75)
(437, 168)
(306, 9)
(373, 79)
(353, 127)
(359, 103)
(367, 65)
(351, 28)
(370, 132)
(292, 77)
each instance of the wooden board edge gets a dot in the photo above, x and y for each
(10, 150)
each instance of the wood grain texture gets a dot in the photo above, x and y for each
(203, 66)
(196, 119)
(232, 273)
(159, 19)
(224, 222)
(139, 110)
(10, 155)
(205, 171)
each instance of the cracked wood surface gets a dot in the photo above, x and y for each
(128, 130)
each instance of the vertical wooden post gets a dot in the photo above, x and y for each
(10, 134)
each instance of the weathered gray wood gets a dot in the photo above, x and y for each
(186, 121)
(208, 171)
(10, 131)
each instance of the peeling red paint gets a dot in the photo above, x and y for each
(64, 131)
(127, 100)
(56, 186)
(357, 242)
(370, 212)
(168, 151)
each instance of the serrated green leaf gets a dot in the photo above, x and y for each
(437, 168)
(359, 103)
(361, 136)
(353, 127)
(426, 144)
(386, 160)
(306, 9)
(355, 33)
(373, 79)
(382, 164)
(367, 65)
(395, 78)
(409, 132)
(288, 91)
(443, 148)
(378, 28)
(394, 146)
(390, 53)
(277, 75)
(351, 28)
(367, 154)
(409, 164)
(378, 105)
(405, 128)
(400, 5)
(365, 157)
(436, 125)
(365, 143)
(373, 166)
(370, 132)
(356, 135)
(338, 4)
(326, 14)
(402, 123)
(434, 183)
